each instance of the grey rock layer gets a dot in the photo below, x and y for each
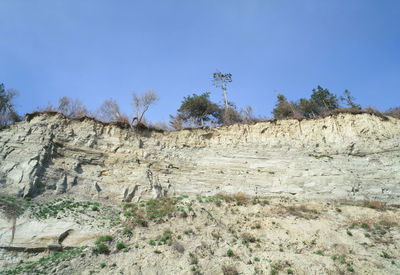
(346, 156)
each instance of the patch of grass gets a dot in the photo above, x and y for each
(120, 245)
(166, 238)
(256, 259)
(43, 265)
(102, 265)
(289, 271)
(247, 237)
(229, 253)
(193, 259)
(152, 242)
(102, 248)
(319, 252)
(375, 204)
(216, 235)
(127, 231)
(105, 238)
(385, 255)
(349, 232)
(350, 269)
(157, 251)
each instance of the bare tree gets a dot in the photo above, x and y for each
(220, 80)
(142, 103)
(71, 107)
(109, 111)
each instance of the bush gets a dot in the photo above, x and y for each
(102, 248)
(120, 245)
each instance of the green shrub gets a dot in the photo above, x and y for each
(229, 253)
(126, 231)
(105, 238)
(102, 248)
(120, 245)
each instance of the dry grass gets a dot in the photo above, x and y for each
(239, 197)
(374, 204)
(229, 270)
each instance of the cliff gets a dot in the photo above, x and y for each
(350, 157)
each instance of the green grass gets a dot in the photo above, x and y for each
(229, 253)
(120, 245)
(126, 231)
(44, 264)
(105, 238)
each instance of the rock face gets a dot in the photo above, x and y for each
(346, 156)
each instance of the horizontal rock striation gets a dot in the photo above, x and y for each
(346, 156)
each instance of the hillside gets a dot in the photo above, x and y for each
(288, 196)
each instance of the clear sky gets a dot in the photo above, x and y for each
(97, 49)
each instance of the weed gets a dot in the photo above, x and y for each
(102, 248)
(274, 271)
(142, 222)
(105, 238)
(157, 251)
(193, 260)
(385, 255)
(375, 205)
(247, 237)
(229, 270)
(256, 259)
(152, 242)
(216, 235)
(350, 269)
(334, 257)
(289, 271)
(127, 231)
(95, 208)
(229, 253)
(102, 265)
(349, 232)
(319, 252)
(120, 245)
(367, 235)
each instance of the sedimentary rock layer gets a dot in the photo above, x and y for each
(337, 157)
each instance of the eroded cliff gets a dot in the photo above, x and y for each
(339, 157)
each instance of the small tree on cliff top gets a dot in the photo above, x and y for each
(142, 102)
(198, 109)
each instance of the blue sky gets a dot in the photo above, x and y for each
(97, 49)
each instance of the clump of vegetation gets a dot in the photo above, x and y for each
(166, 238)
(101, 247)
(229, 253)
(120, 245)
(157, 210)
(375, 204)
(44, 264)
(127, 231)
